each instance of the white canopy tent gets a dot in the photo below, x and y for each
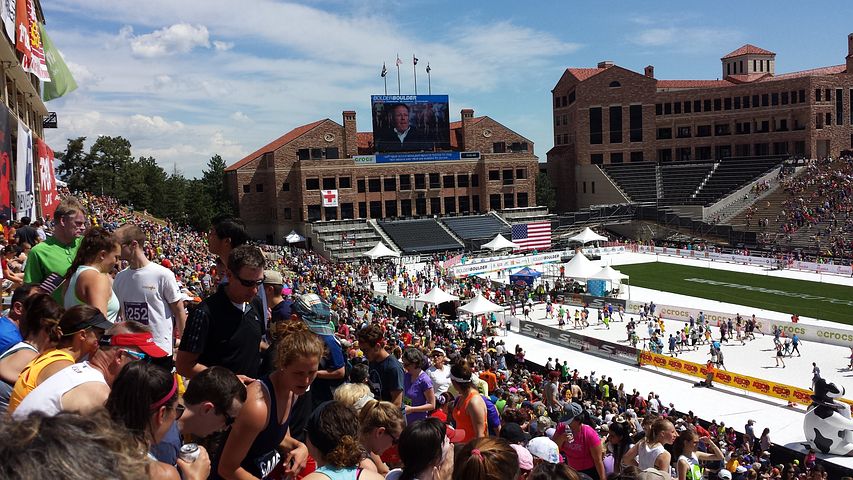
(500, 243)
(294, 237)
(586, 236)
(437, 296)
(609, 274)
(581, 267)
(380, 251)
(480, 305)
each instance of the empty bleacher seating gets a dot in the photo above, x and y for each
(732, 174)
(476, 227)
(636, 179)
(346, 239)
(419, 236)
(680, 181)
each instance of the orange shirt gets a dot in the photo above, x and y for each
(491, 380)
(463, 420)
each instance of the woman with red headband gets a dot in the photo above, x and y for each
(144, 398)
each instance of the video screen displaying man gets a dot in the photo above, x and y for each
(409, 123)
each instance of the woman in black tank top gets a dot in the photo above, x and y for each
(253, 444)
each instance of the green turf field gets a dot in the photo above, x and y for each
(808, 299)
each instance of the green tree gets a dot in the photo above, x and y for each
(213, 182)
(73, 166)
(200, 205)
(108, 157)
(545, 194)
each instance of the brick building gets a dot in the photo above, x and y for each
(611, 115)
(278, 187)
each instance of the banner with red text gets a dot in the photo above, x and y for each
(48, 195)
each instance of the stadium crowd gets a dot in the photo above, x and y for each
(136, 349)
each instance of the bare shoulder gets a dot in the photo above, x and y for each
(255, 411)
(162, 471)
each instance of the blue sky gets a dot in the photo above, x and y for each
(184, 80)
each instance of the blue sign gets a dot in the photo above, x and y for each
(408, 98)
(425, 157)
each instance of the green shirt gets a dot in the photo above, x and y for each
(48, 257)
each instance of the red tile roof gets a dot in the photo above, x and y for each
(693, 84)
(364, 139)
(584, 73)
(831, 70)
(276, 144)
(749, 49)
(746, 78)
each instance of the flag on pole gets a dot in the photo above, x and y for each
(399, 62)
(384, 71)
(428, 69)
(529, 236)
(61, 81)
(414, 59)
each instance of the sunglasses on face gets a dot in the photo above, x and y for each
(134, 355)
(394, 439)
(179, 410)
(250, 283)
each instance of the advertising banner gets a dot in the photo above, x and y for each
(460, 271)
(814, 333)
(47, 180)
(575, 341)
(410, 123)
(769, 388)
(5, 163)
(25, 200)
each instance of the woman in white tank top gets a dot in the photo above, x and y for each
(88, 277)
(650, 452)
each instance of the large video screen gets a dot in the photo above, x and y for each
(410, 123)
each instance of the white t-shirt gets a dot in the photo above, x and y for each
(47, 397)
(440, 379)
(145, 295)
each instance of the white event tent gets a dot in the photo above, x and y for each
(437, 296)
(499, 243)
(294, 237)
(581, 267)
(586, 236)
(480, 305)
(380, 251)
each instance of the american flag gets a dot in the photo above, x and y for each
(531, 236)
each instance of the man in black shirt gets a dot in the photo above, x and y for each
(386, 372)
(226, 328)
(26, 233)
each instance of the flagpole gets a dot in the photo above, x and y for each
(429, 79)
(398, 74)
(415, 72)
(386, 84)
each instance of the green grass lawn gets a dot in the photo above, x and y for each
(823, 300)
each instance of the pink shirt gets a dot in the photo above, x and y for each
(577, 452)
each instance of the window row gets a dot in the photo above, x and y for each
(318, 153)
(507, 175)
(723, 129)
(731, 103)
(514, 147)
(565, 100)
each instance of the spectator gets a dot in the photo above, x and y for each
(439, 371)
(211, 402)
(84, 387)
(85, 326)
(486, 458)
(14, 278)
(417, 386)
(552, 471)
(312, 310)
(26, 233)
(149, 292)
(226, 328)
(650, 452)
(279, 307)
(426, 452)
(380, 427)
(332, 441)
(356, 395)
(688, 457)
(88, 277)
(54, 255)
(9, 324)
(386, 373)
(584, 452)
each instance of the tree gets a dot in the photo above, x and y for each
(213, 181)
(73, 166)
(545, 194)
(108, 157)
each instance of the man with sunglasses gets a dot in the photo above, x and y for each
(227, 327)
(84, 387)
(55, 254)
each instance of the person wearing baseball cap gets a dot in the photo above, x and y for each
(585, 452)
(84, 387)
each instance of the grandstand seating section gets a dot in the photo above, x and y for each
(476, 227)
(680, 182)
(732, 174)
(636, 179)
(419, 236)
(346, 239)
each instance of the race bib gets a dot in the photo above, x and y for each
(267, 462)
(136, 311)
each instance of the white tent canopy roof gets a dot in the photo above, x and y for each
(294, 237)
(587, 235)
(380, 251)
(581, 267)
(479, 305)
(437, 296)
(609, 274)
(499, 243)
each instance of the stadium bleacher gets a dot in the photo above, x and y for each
(346, 239)
(419, 236)
(636, 179)
(476, 227)
(732, 174)
(680, 181)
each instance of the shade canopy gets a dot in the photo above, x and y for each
(526, 276)
(437, 296)
(480, 305)
(500, 243)
(380, 251)
(587, 235)
(580, 267)
(294, 237)
(609, 274)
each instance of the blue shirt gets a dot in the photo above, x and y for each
(9, 334)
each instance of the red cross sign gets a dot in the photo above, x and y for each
(330, 198)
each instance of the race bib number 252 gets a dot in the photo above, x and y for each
(136, 311)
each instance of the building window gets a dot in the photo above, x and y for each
(616, 124)
(827, 95)
(818, 94)
(375, 209)
(614, 84)
(703, 131)
(406, 207)
(727, 103)
(331, 213)
(389, 184)
(737, 103)
(839, 107)
(435, 206)
(494, 175)
(346, 211)
(449, 181)
(345, 182)
(434, 180)
(697, 106)
(312, 184)
(676, 108)
(464, 205)
(500, 147)
(390, 208)
(360, 185)
(247, 188)
(571, 98)
(405, 182)
(718, 104)
(520, 173)
(259, 188)
(683, 154)
(658, 109)
(522, 200)
(475, 180)
(706, 105)
(288, 214)
(746, 101)
(703, 153)
(683, 132)
(303, 154)
(802, 95)
(635, 123)
(592, 186)
(475, 203)
(828, 119)
(420, 206)
(596, 158)
(420, 181)
(687, 107)
(774, 99)
(374, 185)
(636, 156)
(664, 133)
(362, 209)
(329, 183)
(665, 155)
(584, 187)
(667, 108)
(494, 201)
(508, 176)
(462, 180)
(722, 129)
(509, 200)
(332, 152)
(314, 212)
(285, 187)
(595, 136)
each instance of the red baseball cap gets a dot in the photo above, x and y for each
(143, 341)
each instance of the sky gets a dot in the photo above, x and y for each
(184, 80)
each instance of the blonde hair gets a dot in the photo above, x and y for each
(350, 393)
(377, 414)
(299, 344)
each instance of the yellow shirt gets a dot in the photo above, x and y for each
(26, 382)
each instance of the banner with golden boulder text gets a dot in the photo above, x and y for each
(769, 388)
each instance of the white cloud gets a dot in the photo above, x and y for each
(221, 46)
(240, 117)
(177, 38)
(689, 39)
